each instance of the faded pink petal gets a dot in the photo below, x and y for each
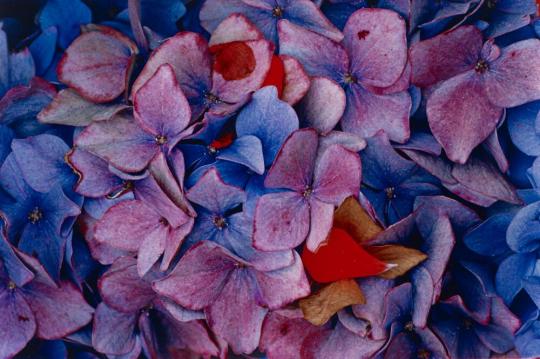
(321, 220)
(235, 27)
(296, 83)
(461, 116)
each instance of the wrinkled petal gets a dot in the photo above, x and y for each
(113, 332)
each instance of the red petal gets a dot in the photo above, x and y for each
(340, 258)
(233, 60)
(224, 140)
(276, 75)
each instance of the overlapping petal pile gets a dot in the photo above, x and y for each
(273, 179)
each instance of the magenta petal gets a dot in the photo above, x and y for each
(376, 42)
(337, 175)
(445, 55)
(514, 78)
(122, 288)
(236, 90)
(215, 195)
(97, 64)
(59, 311)
(199, 277)
(175, 238)
(161, 107)
(193, 69)
(321, 220)
(235, 27)
(283, 286)
(293, 166)
(461, 116)
(17, 326)
(120, 141)
(235, 315)
(281, 221)
(323, 105)
(113, 332)
(127, 224)
(296, 83)
(367, 113)
(151, 249)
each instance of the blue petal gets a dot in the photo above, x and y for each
(523, 233)
(67, 16)
(510, 273)
(494, 229)
(247, 151)
(523, 128)
(43, 48)
(269, 119)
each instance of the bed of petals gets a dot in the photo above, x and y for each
(269, 179)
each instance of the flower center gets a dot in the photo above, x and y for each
(277, 11)
(423, 354)
(307, 192)
(409, 326)
(35, 215)
(481, 67)
(491, 4)
(219, 222)
(126, 187)
(467, 324)
(212, 150)
(11, 285)
(390, 192)
(349, 78)
(210, 98)
(161, 140)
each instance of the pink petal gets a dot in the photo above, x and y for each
(461, 116)
(59, 311)
(283, 333)
(235, 315)
(193, 69)
(337, 175)
(122, 288)
(367, 113)
(446, 55)
(235, 27)
(17, 326)
(199, 277)
(319, 55)
(376, 42)
(283, 286)
(323, 105)
(151, 249)
(321, 220)
(293, 166)
(235, 90)
(97, 64)
(120, 141)
(127, 224)
(514, 78)
(296, 83)
(161, 107)
(281, 221)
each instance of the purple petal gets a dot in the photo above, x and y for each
(193, 69)
(246, 150)
(493, 145)
(161, 107)
(367, 113)
(438, 245)
(319, 55)
(349, 141)
(23, 102)
(120, 141)
(283, 286)
(122, 289)
(281, 221)
(235, 315)
(446, 55)
(374, 289)
(376, 42)
(17, 326)
(337, 175)
(113, 332)
(293, 166)
(461, 116)
(99, 76)
(213, 194)
(68, 108)
(59, 311)
(199, 277)
(423, 296)
(269, 119)
(514, 78)
(323, 105)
